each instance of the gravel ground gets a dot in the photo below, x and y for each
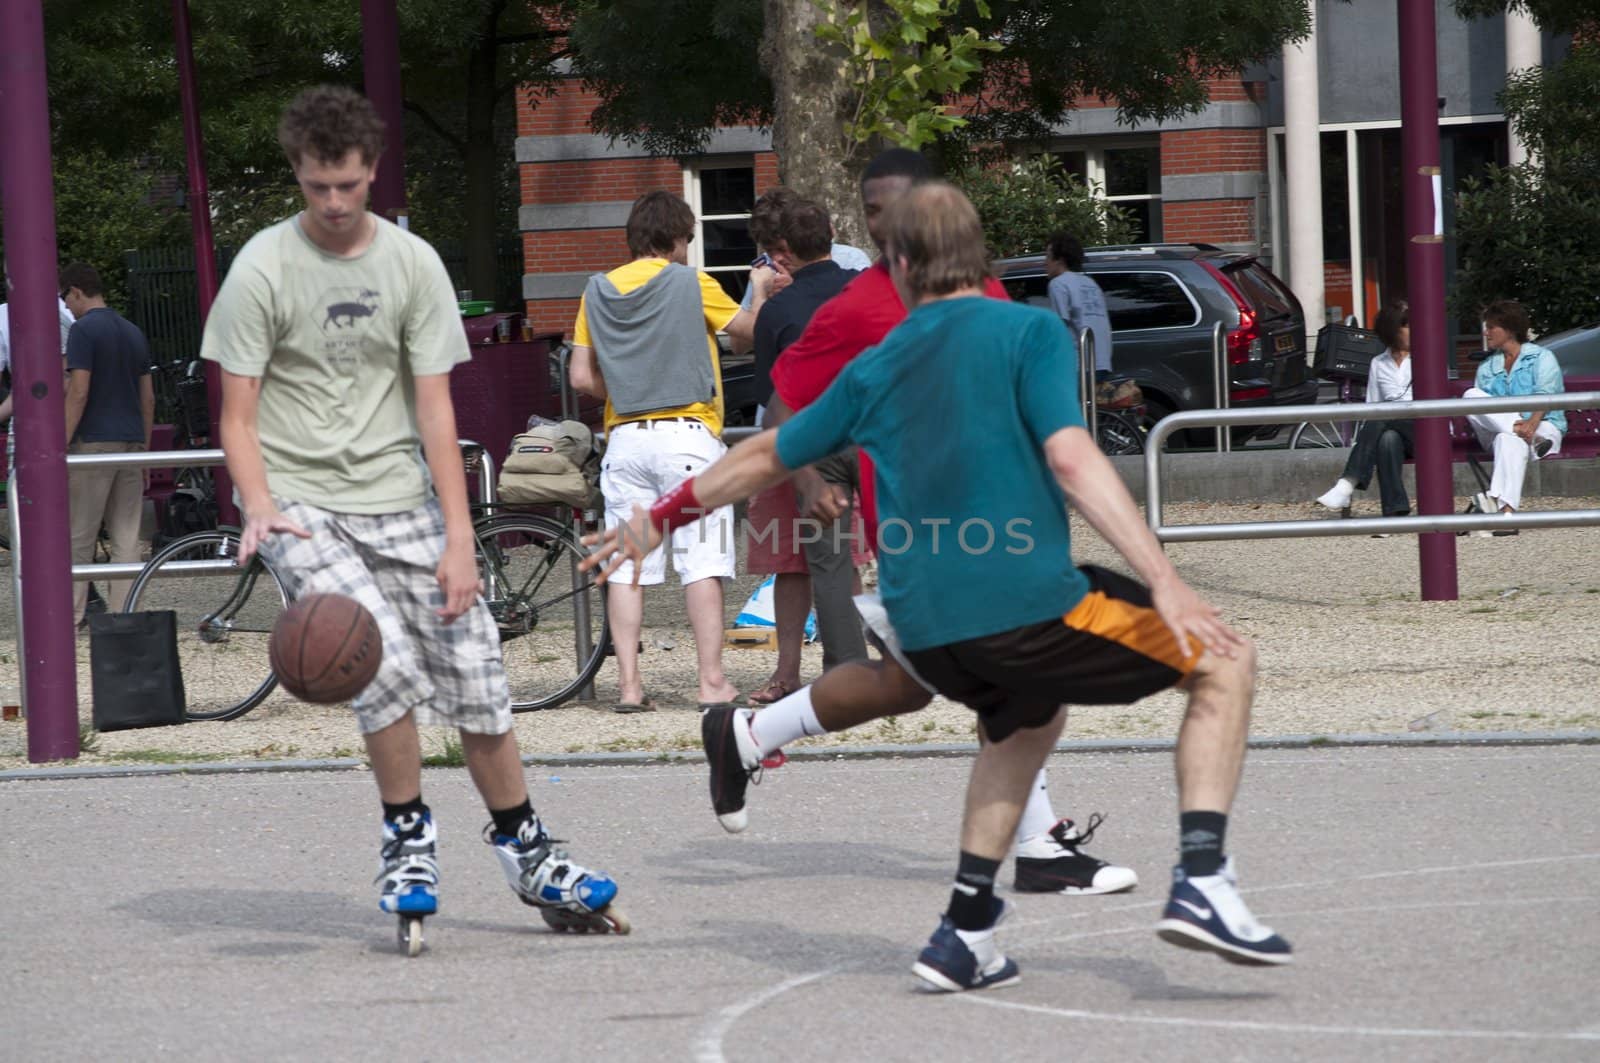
(1345, 647)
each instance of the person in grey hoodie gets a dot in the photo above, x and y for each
(645, 341)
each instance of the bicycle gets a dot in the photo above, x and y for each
(223, 631)
(1118, 432)
(1337, 432)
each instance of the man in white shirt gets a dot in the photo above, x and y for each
(66, 320)
(1382, 445)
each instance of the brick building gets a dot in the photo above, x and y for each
(1217, 176)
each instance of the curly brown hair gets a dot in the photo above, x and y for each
(327, 122)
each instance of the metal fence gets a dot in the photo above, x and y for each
(1369, 411)
(164, 303)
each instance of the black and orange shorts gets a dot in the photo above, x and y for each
(1111, 649)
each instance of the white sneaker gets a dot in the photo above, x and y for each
(1338, 496)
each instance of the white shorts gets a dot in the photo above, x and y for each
(875, 618)
(646, 459)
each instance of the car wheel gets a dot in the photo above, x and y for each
(1156, 410)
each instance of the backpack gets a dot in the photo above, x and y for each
(552, 463)
(185, 511)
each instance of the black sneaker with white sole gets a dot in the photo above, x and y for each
(734, 759)
(1054, 862)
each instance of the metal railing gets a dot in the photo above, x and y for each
(1219, 377)
(1091, 409)
(1368, 411)
(163, 459)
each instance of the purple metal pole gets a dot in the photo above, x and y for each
(380, 55)
(1424, 213)
(49, 648)
(205, 254)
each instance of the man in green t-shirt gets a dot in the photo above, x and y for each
(977, 576)
(336, 332)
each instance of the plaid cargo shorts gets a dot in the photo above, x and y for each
(447, 674)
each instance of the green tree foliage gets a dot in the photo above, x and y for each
(917, 57)
(1532, 232)
(1153, 57)
(1553, 16)
(114, 99)
(103, 209)
(667, 74)
(1022, 203)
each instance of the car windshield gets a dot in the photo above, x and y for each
(1578, 350)
(1267, 295)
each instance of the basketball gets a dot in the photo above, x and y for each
(326, 648)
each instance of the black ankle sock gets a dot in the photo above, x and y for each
(972, 899)
(394, 812)
(1200, 837)
(507, 820)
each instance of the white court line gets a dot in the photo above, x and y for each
(1353, 910)
(708, 1047)
(1369, 877)
(1286, 1027)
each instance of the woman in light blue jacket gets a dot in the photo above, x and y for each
(1516, 368)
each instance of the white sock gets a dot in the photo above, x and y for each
(1037, 815)
(785, 720)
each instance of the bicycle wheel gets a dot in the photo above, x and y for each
(1321, 435)
(1118, 434)
(224, 622)
(537, 596)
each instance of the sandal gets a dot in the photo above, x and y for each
(776, 690)
(643, 705)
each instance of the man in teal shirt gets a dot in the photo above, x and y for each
(970, 411)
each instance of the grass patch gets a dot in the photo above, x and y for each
(1320, 740)
(451, 756)
(88, 739)
(165, 756)
(1482, 609)
(649, 743)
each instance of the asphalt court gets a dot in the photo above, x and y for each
(1441, 902)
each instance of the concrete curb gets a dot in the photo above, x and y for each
(1440, 739)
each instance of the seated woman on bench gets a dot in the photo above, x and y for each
(1382, 445)
(1516, 367)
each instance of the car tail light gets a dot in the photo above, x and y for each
(1247, 394)
(1241, 339)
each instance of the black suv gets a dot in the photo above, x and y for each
(1164, 300)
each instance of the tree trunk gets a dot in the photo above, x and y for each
(813, 99)
(482, 164)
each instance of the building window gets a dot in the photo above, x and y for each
(722, 194)
(1128, 175)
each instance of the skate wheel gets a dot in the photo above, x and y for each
(610, 921)
(617, 919)
(410, 934)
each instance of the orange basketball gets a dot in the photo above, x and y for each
(326, 648)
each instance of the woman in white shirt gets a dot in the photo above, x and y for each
(1382, 445)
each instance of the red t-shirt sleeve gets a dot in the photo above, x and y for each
(995, 290)
(855, 319)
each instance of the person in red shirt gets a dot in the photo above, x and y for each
(1048, 849)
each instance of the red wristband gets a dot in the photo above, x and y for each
(676, 508)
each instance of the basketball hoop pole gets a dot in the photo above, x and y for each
(49, 653)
